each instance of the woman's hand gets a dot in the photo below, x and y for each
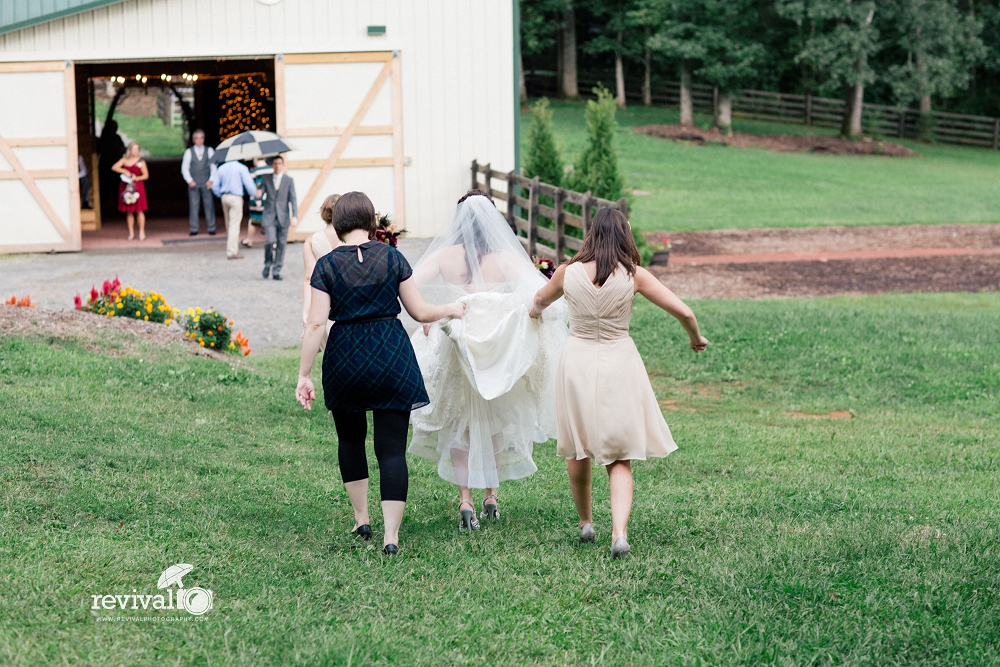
(534, 313)
(457, 310)
(427, 330)
(700, 344)
(305, 393)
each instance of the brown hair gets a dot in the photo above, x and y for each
(353, 210)
(326, 208)
(477, 193)
(609, 243)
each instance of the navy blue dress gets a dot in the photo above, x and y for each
(368, 363)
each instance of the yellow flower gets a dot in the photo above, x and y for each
(211, 344)
(146, 318)
(198, 310)
(119, 304)
(202, 343)
(137, 313)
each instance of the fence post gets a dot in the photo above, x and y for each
(475, 175)
(511, 192)
(715, 102)
(996, 133)
(560, 226)
(586, 213)
(809, 109)
(902, 124)
(533, 216)
(488, 174)
(623, 206)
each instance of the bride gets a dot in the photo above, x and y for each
(489, 375)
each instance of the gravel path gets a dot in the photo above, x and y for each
(268, 311)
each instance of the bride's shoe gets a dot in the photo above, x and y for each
(467, 520)
(490, 510)
(620, 548)
(587, 533)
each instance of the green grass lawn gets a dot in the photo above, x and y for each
(152, 135)
(715, 187)
(764, 539)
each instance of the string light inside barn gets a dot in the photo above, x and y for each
(242, 99)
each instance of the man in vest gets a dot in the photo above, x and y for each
(281, 210)
(199, 172)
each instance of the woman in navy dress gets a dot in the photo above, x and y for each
(368, 363)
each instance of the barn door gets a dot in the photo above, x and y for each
(39, 189)
(342, 114)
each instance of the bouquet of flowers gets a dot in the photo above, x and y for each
(114, 300)
(386, 230)
(544, 265)
(23, 302)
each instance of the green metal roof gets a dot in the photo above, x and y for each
(17, 14)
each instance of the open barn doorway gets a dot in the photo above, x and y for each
(159, 103)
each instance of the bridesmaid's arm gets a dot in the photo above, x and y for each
(145, 171)
(118, 168)
(319, 311)
(650, 287)
(549, 294)
(422, 311)
(309, 262)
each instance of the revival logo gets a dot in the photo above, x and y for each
(196, 600)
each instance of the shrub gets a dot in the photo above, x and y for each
(114, 300)
(544, 158)
(596, 169)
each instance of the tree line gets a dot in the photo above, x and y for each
(928, 54)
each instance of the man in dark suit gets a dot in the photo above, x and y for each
(281, 210)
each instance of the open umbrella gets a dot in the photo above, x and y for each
(248, 145)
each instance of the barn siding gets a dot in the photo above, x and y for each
(457, 66)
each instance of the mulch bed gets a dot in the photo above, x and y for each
(787, 143)
(810, 279)
(111, 335)
(825, 239)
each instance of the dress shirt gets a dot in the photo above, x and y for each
(232, 178)
(186, 162)
(277, 181)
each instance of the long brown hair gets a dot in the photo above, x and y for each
(609, 243)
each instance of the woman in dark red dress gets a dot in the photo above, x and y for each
(132, 193)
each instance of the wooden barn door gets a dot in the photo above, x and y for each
(39, 188)
(342, 114)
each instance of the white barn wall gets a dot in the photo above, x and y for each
(457, 68)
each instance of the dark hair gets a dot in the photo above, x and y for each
(353, 210)
(277, 157)
(609, 243)
(326, 208)
(198, 131)
(477, 193)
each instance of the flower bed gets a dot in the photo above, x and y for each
(115, 300)
(209, 328)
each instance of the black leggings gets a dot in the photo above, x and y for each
(391, 427)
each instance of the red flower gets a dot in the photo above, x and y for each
(94, 296)
(78, 302)
(106, 288)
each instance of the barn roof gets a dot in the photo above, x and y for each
(17, 14)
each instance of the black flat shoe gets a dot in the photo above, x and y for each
(364, 531)
(390, 550)
(265, 272)
(276, 276)
(211, 232)
(192, 233)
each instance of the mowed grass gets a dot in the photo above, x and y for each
(153, 136)
(715, 187)
(765, 539)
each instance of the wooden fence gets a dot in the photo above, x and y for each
(876, 119)
(555, 231)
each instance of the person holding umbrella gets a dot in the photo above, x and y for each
(234, 178)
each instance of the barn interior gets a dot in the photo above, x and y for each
(159, 103)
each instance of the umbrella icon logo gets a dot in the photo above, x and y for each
(195, 600)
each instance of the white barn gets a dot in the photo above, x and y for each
(391, 97)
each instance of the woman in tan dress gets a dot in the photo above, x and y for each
(318, 245)
(605, 407)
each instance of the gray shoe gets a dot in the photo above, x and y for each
(620, 548)
(587, 533)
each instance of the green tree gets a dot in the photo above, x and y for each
(843, 39)
(596, 168)
(541, 22)
(942, 47)
(621, 35)
(544, 158)
(679, 38)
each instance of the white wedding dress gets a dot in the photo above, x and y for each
(490, 375)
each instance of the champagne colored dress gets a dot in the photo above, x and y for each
(605, 406)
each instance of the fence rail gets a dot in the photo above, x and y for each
(877, 119)
(545, 230)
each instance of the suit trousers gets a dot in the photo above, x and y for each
(232, 208)
(274, 248)
(199, 196)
